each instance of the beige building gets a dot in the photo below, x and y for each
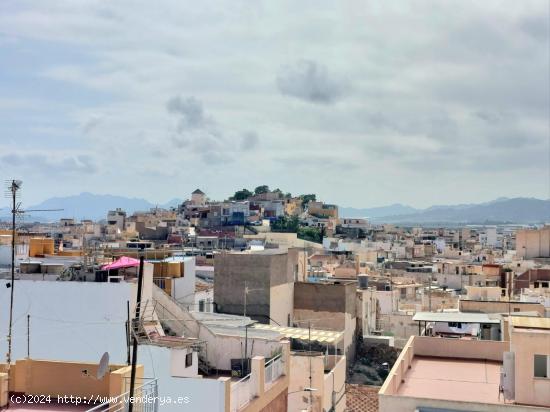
(259, 284)
(330, 305)
(533, 243)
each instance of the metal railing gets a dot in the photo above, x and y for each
(274, 368)
(241, 393)
(145, 399)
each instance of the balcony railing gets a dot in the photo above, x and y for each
(145, 399)
(273, 370)
(241, 393)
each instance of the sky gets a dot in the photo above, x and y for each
(365, 103)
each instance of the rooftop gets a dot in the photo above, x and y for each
(452, 379)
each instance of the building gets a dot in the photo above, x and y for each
(116, 221)
(328, 305)
(259, 284)
(198, 198)
(533, 243)
(322, 210)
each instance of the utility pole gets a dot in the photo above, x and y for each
(245, 293)
(28, 336)
(135, 342)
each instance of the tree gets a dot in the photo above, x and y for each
(261, 189)
(242, 194)
(307, 198)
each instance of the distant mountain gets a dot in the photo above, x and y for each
(87, 206)
(375, 212)
(503, 210)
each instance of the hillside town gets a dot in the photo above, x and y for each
(269, 301)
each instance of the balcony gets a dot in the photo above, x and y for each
(265, 385)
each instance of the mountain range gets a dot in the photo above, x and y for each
(87, 206)
(503, 210)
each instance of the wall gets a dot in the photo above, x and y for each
(281, 304)
(480, 306)
(526, 343)
(442, 348)
(533, 243)
(57, 378)
(328, 306)
(261, 271)
(334, 390)
(300, 365)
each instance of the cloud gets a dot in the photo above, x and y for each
(190, 111)
(49, 163)
(395, 89)
(311, 82)
(249, 141)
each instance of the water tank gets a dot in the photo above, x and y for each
(363, 281)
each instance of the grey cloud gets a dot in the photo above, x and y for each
(536, 27)
(249, 141)
(317, 162)
(190, 111)
(310, 81)
(91, 124)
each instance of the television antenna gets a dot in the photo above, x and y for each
(13, 188)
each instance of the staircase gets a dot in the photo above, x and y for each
(178, 319)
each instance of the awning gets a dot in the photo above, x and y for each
(323, 336)
(461, 317)
(120, 263)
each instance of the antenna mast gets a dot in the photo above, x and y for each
(13, 187)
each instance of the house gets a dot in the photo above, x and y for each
(198, 198)
(330, 304)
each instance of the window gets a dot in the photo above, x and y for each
(541, 366)
(189, 359)
(516, 309)
(201, 305)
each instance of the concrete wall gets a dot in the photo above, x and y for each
(533, 243)
(334, 397)
(526, 343)
(300, 365)
(281, 308)
(328, 306)
(260, 271)
(57, 378)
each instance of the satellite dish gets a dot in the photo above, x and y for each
(103, 366)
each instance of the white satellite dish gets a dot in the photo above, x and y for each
(103, 366)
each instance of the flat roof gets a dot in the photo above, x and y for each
(454, 317)
(466, 380)
(530, 322)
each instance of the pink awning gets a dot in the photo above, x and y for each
(121, 262)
